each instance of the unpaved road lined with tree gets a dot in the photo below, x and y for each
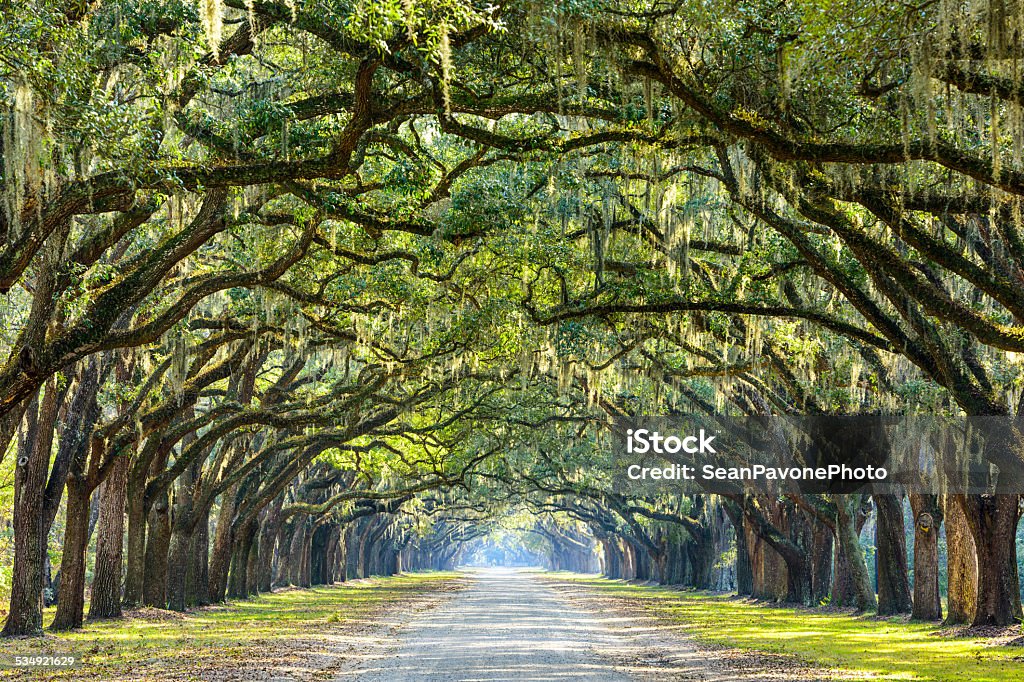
(513, 625)
(506, 625)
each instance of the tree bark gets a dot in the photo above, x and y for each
(849, 542)
(821, 561)
(197, 576)
(891, 557)
(961, 566)
(282, 569)
(71, 600)
(222, 541)
(26, 607)
(134, 578)
(244, 537)
(182, 529)
(702, 558)
(105, 600)
(744, 572)
(269, 530)
(177, 570)
(927, 520)
(76, 440)
(992, 520)
(296, 551)
(158, 541)
(252, 563)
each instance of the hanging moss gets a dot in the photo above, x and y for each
(211, 15)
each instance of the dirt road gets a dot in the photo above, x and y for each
(506, 626)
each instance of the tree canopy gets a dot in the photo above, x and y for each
(303, 288)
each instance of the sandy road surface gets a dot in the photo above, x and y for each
(506, 626)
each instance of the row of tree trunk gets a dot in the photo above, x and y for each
(163, 561)
(790, 550)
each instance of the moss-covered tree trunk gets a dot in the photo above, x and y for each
(181, 529)
(244, 537)
(270, 529)
(282, 567)
(927, 521)
(318, 555)
(744, 572)
(76, 442)
(891, 557)
(961, 565)
(992, 520)
(25, 615)
(220, 558)
(177, 565)
(701, 554)
(197, 575)
(849, 543)
(135, 544)
(252, 562)
(158, 542)
(296, 551)
(821, 561)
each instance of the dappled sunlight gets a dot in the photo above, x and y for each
(512, 625)
(291, 634)
(506, 626)
(855, 646)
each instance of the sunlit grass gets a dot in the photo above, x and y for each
(144, 644)
(884, 649)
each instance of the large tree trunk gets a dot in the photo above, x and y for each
(9, 422)
(304, 562)
(244, 536)
(961, 566)
(849, 543)
(296, 551)
(927, 520)
(332, 555)
(177, 570)
(891, 557)
(158, 541)
(197, 576)
(181, 534)
(222, 541)
(135, 575)
(253, 561)
(770, 526)
(282, 568)
(269, 530)
(76, 439)
(821, 561)
(318, 557)
(147, 556)
(105, 600)
(744, 572)
(701, 553)
(71, 599)
(675, 561)
(26, 608)
(992, 520)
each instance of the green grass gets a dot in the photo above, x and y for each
(865, 646)
(260, 631)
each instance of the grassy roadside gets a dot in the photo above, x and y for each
(305, 631)
(865, 646)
